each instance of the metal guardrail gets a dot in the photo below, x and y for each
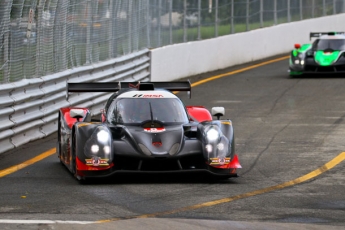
(29, 108)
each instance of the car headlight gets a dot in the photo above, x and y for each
(209, 148)
(99, 143)
(212, 134)
(107, 149)
(94, 149)
(220, 146)
(103, 136)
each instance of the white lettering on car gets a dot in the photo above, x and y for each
(154, 130)
(149, 95)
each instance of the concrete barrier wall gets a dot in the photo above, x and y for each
(187, 59)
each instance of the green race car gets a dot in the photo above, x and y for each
(325, 55)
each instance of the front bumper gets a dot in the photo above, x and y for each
(311, 67)
(224, 173)
(187, 165)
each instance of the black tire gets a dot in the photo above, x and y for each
(74, 163)
(73, 152)
(59, 140)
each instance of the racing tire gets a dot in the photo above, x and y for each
(74, 162)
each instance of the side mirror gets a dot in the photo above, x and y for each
(218, 112)
(76, 113)
(103, 116)
(297, 46)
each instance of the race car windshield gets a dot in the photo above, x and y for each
(333, 44)
(137, 110)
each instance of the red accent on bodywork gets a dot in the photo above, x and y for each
(297, 46)
(235, 163)
(134, 86)
(157, 144)
(82, 166)
(70, 120)
(199, 113)
(103, 118)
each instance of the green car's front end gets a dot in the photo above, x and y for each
(325, 55)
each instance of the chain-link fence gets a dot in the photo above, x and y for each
(41, 37)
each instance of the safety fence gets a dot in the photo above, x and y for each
(29, 108)
(42, 37)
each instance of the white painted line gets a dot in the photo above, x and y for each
(8, 221)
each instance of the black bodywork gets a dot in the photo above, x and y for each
(104, 148)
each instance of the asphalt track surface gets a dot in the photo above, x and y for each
(289, 137)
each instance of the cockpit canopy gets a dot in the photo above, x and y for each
(137, 110)
(326, 44)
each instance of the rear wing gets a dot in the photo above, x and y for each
(319, 34)
(116, 86)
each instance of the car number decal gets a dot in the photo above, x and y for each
(148, 95)
(154, 130)
(219, 161)
(97, 161)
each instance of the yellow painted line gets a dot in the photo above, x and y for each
(331, 164)
(18, 167)
(238, 71)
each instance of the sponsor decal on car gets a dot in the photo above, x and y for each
(97, 161)
(148, 95)
(219, 161)
(154, 130)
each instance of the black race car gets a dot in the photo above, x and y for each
(144, 128)
(325, 55)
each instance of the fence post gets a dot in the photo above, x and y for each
(324, 8)
(232, 29)
(148, 22)
(288, 11)
(88, 32)
(110, 28)
(199, 19)
(6, 60)
(5, 19)
(170, 22)
(313, 8)
(130, 12)
(261, 13)
(184, 21)
(275, 12)
(216, 20)
(159, 22)
(301, 9)
(247, 15)
(64, 64)
(38, 62)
